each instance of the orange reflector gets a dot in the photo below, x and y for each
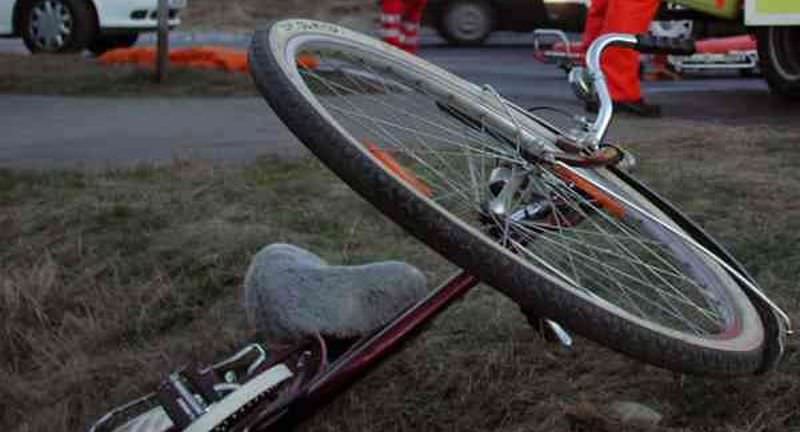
(391, 164)
(603, 200)
(307, 61)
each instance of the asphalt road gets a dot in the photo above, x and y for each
(39, 131)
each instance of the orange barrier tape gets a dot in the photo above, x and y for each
(141, 56)
(603, 200)
(229, 59)
(392, 165)
(202, 57)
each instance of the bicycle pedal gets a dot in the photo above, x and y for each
(187, 394)
(180, 400)
(204, 382)
(264, 386)
(242, 364)
(190, 398)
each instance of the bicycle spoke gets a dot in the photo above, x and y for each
(640, 266)
(601, 268)
(650, 251)
(608, 256)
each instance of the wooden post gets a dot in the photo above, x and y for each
(162, 60)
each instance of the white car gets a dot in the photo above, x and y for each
(57, 26)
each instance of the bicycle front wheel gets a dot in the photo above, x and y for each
(451, 163)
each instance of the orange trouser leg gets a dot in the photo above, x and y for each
(595, 20)
(412, 17)
(621, 65)
(391, 16)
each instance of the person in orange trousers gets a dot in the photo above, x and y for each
(400, 23)
(621, 65)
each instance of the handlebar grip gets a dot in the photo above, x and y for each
(648, 44)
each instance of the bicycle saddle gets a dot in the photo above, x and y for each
(290, 293)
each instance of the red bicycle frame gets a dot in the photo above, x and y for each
(370, 350)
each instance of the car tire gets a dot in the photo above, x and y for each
(779, 57)
(467, 22)
(57, 26)
(103, 43)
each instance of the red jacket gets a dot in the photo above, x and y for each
(620, 65)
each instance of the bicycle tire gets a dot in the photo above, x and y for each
(738, 349)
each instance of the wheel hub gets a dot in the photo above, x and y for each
(50, 24)
(469, 21)
(504, 208)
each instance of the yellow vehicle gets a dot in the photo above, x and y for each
(776, 24)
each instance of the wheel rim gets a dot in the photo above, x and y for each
(346, 87)
(785, 52)
(468, 22)
(51, 25)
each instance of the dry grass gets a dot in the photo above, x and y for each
(80, 76)
(109, 280)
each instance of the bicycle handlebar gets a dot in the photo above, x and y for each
(642, 43)
(605, 105)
